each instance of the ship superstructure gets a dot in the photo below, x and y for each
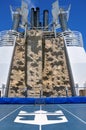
(40, 61)
(77, 57)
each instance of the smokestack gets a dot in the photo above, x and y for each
(16, 20)
(37, 16)
(40, 25)
(45, 19)
(63, 19)
(32, 18)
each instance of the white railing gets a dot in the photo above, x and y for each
(80, 91)
(2, 89)
(72, 38)
(7, 38)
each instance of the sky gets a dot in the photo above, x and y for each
(77, 18)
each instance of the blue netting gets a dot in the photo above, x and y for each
(58, 100)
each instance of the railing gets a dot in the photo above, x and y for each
(2, 89)
(7, 38)
(80, 91)
(72, 38)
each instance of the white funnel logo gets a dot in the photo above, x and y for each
(41, 117)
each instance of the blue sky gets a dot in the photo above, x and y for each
(77, 19)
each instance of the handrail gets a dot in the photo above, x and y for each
(7, 37)
(72, 38)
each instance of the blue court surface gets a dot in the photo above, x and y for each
(43, 117)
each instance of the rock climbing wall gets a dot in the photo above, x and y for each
(34, 63)
(55, 72)
(39, 67)
(46, 66)
(17, 76)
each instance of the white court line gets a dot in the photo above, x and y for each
(10, 113)
(72, 114)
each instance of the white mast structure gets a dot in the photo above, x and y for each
(60, 16)
(20, 16)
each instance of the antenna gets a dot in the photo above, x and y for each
(68, 12)
(24, 12)
(11, 12)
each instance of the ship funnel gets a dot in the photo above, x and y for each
(45, 19)
(35, 17)
(32, 18)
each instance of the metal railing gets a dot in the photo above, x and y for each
(80, 91)
(7, 38)
(72, 38)
(2, 89)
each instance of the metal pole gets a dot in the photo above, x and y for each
(66, 91)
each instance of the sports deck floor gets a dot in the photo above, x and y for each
(43, 117)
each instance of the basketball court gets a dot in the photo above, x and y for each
(43, 117)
